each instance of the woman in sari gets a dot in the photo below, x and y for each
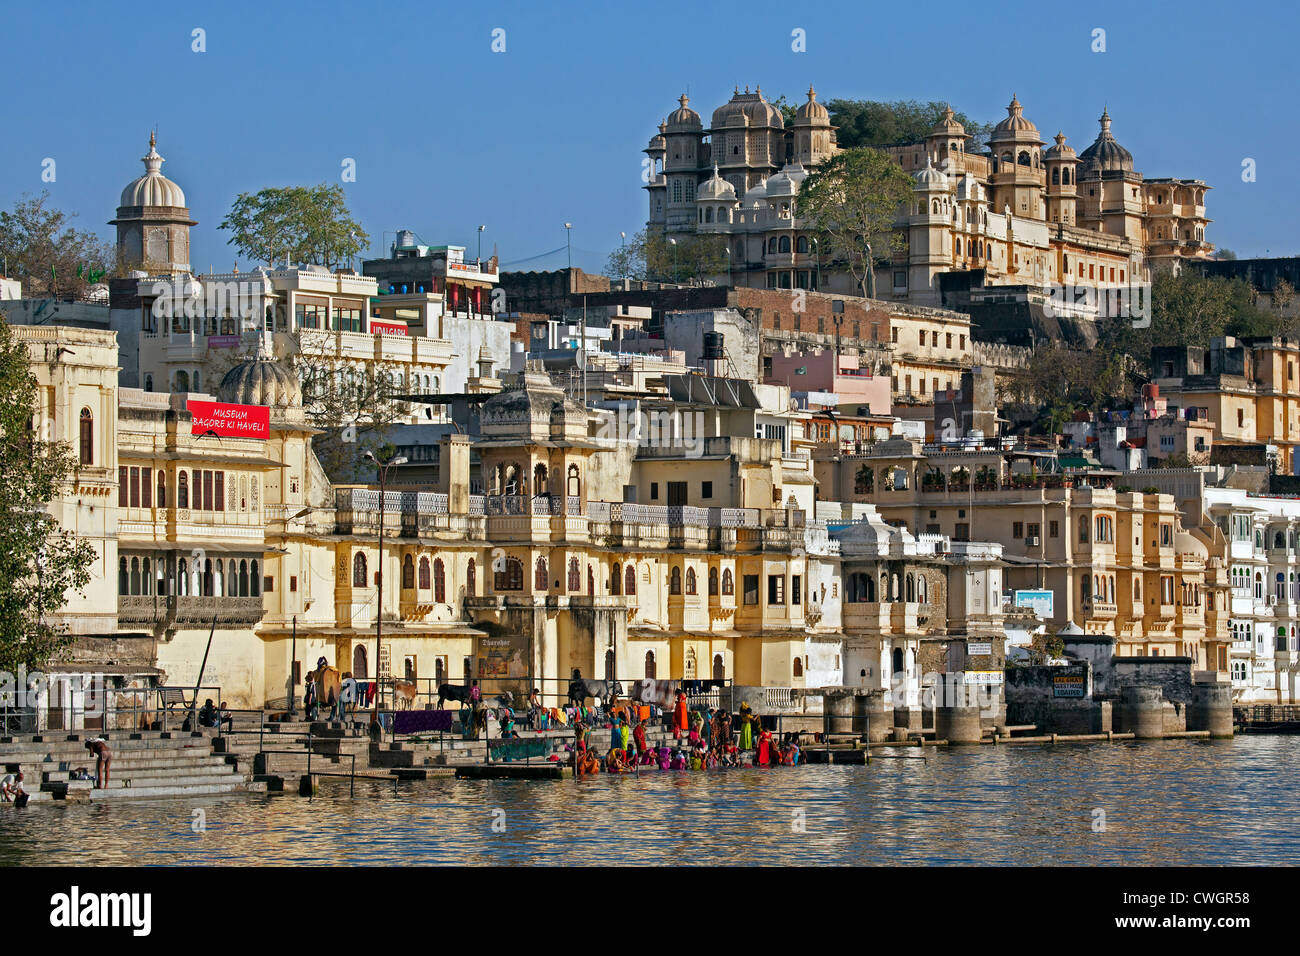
(679, 717)
(767, 755)
(638, 736)
(746, 727)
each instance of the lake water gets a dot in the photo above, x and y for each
(1164, 802)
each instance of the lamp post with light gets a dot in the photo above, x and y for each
(382, 468)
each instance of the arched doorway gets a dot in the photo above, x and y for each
(650, 664)
(719, 669)
(898, 659)
(359, 662)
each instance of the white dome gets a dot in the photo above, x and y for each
(153, 188)
(715, 189)
(757, 195)
(787, 181)
(930, 179)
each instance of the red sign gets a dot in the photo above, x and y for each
(230, 421)
(388, 328)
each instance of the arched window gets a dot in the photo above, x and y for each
(591, 581)
(182, 577)
(162, 489)
(1023, 158)
(254, 580)
(690, 580)
(182, 381)
(898, 660)
(359, 570)
(87, 437)
(713, 582)
(510, 577)
(629, 580)
(146, 581)
(243, 579)
(1056, 176)
(911, 589)
(575, 575)
(798, 667)
(615, 581)
(728, 583)
(541, 580)
(575, 484)
(801, 246)
(439, 581)
(1083, 529)
(675, 581)
(771, 245)
(424, 572)
(182, 489)
(719, 668)
(650, 664)
(408, 572)
(471, 578)
(123, 578)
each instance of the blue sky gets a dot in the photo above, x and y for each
(447, 134)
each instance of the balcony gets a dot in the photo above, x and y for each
(172, 610)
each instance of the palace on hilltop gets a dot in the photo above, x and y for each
(1014, 216)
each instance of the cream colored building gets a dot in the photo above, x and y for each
(1022, 215)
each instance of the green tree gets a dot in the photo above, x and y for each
(306, 224)
(851, 201)
(1188, 309)
(876, 123)
(40, 562)
(47, 254)
(655, 257)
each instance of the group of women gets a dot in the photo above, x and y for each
(713, 740)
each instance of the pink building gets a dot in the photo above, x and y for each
(841, 375)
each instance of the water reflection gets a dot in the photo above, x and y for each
(1172, 802)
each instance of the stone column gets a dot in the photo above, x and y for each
(1211, 709)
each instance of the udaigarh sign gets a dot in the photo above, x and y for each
(230, 421)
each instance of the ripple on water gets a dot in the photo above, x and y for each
(1167, 802)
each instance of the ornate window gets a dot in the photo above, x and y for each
(541, 580)
(575, 575)
(359, 570)
(439, 580)
(408, 572)
(675, 581)
(728, 583)
(471, 577)
(629, 583)
(424, 573)
(690, 580)
(87, 437)
(510, 577)
(615, 582)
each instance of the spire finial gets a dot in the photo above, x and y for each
(153, 138)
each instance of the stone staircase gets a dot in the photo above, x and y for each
(144, 764)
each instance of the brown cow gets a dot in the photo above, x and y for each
(403, 693)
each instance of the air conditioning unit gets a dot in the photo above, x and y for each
(1032, 541)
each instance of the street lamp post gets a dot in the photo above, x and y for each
(622, 237)
(480, 242)
(673, 243)
(818, 255)
(568, 245)
(382, 468)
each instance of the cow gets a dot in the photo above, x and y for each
(661, 693)
(403, 693)
(456, 692)
(603, 690)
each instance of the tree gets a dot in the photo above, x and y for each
(875, 123)
(306, 225)
(352, 408)
(40, 562)
(653, 256)
(852, 201)
(1188, 309)
(47, 254)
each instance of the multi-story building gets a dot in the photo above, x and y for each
(1250, 391)
(1016, 216)
(1123, 563)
